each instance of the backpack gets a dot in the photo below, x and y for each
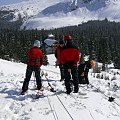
(92, 64)
(84, 69)
(81, 77)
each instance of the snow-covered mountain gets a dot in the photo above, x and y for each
(58, 13)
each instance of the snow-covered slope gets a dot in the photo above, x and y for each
(57, 13)
(89, 104)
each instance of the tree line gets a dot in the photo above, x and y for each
(99, 37)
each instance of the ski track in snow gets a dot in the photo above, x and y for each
(88, 104)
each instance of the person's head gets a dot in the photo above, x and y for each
(67, 38)
(37, 43)
(61, 43)
(51, 36)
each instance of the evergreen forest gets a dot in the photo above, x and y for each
(101, 38)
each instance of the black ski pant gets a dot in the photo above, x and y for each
(68, 74)
(86, 77)
(29, 71)
(83, 79)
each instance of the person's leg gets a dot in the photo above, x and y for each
(67, 80)
(86, 78)
(62, 72)
(38, 77)
(29, 71)
(80, 78)
(74, 73)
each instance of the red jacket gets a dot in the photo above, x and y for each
(58, 55)
(35, 56)
(70, 54)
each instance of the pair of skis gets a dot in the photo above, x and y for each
(40, 94)
(46, 74)
(37, 95)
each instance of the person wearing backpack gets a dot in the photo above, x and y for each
(83, 70)
(70, 57)
(35, 60)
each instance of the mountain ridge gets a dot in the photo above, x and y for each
(59, 13)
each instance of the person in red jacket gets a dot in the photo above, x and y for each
(58, 57)
(70, 57)
(35, 60)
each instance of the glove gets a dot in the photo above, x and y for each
(82, 74)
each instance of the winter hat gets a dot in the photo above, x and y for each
(61, 42)
(68, 37)
(51, 36)
(37, 43)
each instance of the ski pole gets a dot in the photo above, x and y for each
(51, 88)
(34, 79)
(110, 99)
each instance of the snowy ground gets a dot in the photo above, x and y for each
(88, 104)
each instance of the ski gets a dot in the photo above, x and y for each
(51, 88)
(37, 95)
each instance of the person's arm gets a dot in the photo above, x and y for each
(56, 54)
(62, 59)
(41, 59)
(77, 57)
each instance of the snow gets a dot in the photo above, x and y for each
(90, 103)
(50, 14)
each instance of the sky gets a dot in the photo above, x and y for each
(88, 104)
